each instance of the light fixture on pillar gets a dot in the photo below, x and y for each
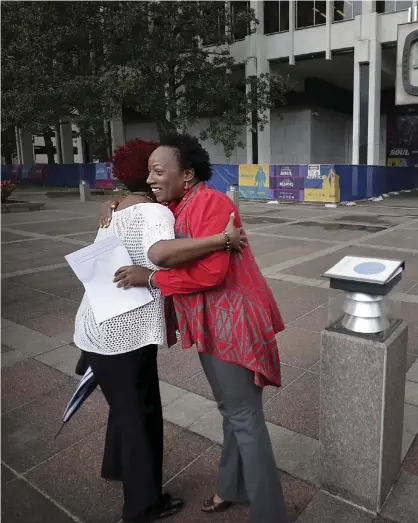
(365, 306)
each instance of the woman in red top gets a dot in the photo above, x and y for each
(225, 308)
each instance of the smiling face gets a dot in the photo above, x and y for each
(166, 177)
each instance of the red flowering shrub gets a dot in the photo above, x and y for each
(7, 187)
(130, 161)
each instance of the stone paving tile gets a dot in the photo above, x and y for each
(54, 323)
(199, 385)
(279, 287)
(413, 337)
(197, 483)
(188, 409)
(10, 357)
(176, 365)
(305, 294)
(299, 347)
(315, 321)
(411, 358)
(410, 421)
(28, 341)
(10, 237)
(411, 393)
(292, 310)
(21, 503)
(407, 441)
(56, 356)
(326, 509)
(28, 439)
(61, 282)
(170, 393)
(6, 475)
(21, 303)
(61, 227)
(297, 406)
(300, 458)
(27, 381)
(5, 348)
(5, 324)
(402, 505)
(410, 463)
(94, 500)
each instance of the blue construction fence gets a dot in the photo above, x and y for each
(309, 183)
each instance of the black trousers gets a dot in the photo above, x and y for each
(134, 440)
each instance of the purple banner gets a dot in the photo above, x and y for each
(290, 195)
(286, 177)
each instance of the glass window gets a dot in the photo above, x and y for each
(310, 13)
(240, 29)
(276, 17)
(271, 17)
(284, 16)
(393, 5)
(346, 10)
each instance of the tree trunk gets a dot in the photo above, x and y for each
(49, 147)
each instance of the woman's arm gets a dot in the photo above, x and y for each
(172, 253)
(209, 214)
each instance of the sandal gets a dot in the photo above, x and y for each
(209, 506)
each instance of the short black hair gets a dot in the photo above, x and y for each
(191, 154)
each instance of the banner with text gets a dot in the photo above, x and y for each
(254, 181)
(287, 182)
(322, 184)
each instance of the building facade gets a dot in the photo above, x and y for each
(342, 55)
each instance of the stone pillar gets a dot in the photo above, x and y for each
(85, 194)
(375, 82)
(257, 65)
(360, 102)
(67, 149)
(117, 131)
(25, 152)
(361, 415)
(233, 194)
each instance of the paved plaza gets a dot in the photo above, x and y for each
(47, 480)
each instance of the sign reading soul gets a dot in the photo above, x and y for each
(407, 64)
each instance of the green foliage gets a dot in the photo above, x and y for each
(87, 59)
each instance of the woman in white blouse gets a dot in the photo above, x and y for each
(122, 353)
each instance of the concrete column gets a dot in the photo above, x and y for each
(66, 133)
(24, 144)
(117, 131)
(328, 25)
(375, 82)
(292, 6)
(250, 70)
(361, 415)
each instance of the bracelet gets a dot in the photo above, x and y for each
(228, 245)
(150, 278)
(114, 205)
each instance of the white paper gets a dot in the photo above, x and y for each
(95, 267)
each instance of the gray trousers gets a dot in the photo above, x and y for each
(248, 470)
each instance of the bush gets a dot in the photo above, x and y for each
(7, 187)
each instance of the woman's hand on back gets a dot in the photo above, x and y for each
(106, 213)
(236, 235)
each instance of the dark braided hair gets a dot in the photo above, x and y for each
(191, 154)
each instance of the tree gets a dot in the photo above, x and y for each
(53, 63)
(173, 77)
(170, 61)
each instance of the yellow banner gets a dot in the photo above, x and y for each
(254, 176)
(328, 193)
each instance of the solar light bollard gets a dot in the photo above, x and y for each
(233, 194)
(85, 194)
(363, 363)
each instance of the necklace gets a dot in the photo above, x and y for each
(144, 196)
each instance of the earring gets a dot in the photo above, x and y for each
(186, 186)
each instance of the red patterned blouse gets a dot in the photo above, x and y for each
(223, 303)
